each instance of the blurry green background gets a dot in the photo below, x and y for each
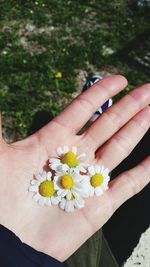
(49, 48)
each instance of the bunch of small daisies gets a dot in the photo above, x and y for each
(69, 181)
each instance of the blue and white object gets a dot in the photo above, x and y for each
(106, 105)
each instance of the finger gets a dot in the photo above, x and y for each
(98, 210)
(129, 183)
(82, 108)
(124, 141)
(117, 115)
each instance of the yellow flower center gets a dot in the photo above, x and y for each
(96, 180)
(70, 159)
(46, 189)
(67, 181)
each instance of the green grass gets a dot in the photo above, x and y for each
(40, 38)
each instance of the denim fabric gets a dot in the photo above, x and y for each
(14, 253)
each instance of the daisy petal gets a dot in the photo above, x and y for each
(68, 196)
(81, 168)
(76, 193)
(78, 204)
(82, 156)
(57, 187)
(48, 202)
(59, 151)
(44, 175)
(91, 170)
(62, 204)
(80, 200)
(35, 182)
(71, 206)
(59, 192)
(106, 180)
(64, 193)
(74, 150)
(54, 200)
(104, 187)
(41, 178)
(102, 169)
(54, 166)
(98, 191)
(97, 168)
(79, 187)
(64, 167)
(91, 191)
(49, 175)
(36, 197)
(65, 149)
(33, 188)
(54, 160)
(68, 206)
(106, 172)
(41, 201)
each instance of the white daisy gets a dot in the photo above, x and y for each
(43, 186)
(68, 183)
(98, 178)
(70, 205)
(68, 159)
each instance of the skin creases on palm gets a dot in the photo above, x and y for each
(52, 230)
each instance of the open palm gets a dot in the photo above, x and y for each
(108, 140)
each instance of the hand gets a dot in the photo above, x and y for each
(109, 140)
